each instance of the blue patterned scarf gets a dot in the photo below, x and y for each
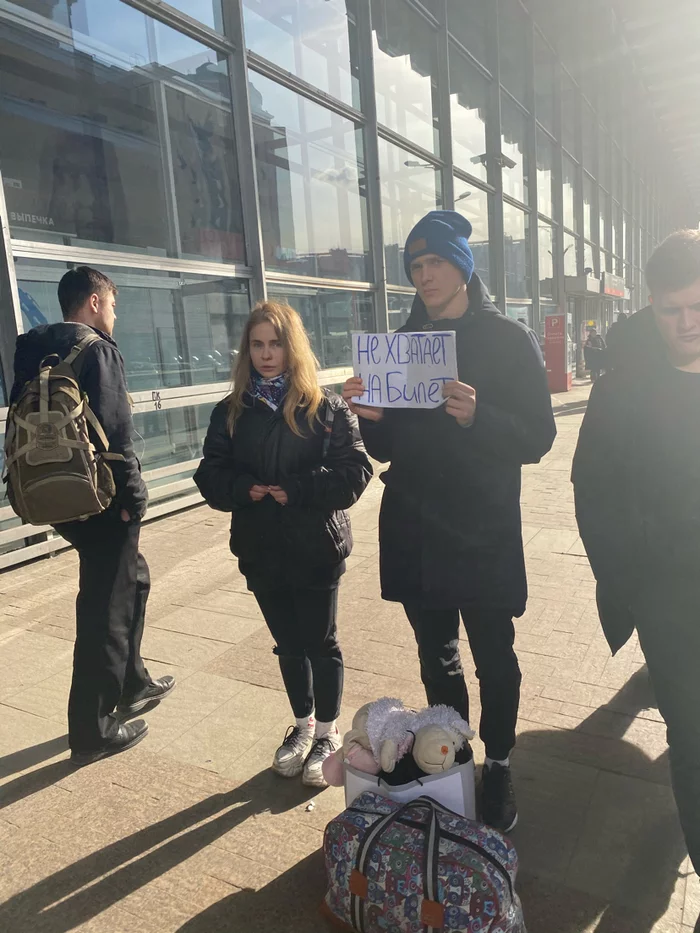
(270, 391)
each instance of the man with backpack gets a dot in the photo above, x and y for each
(71, 463)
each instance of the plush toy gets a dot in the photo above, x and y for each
(440, 732)
(390, 730)
(355, 751)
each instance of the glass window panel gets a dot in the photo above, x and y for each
(400, 305)
(173, 328)
(474, 204)
(545, 251)
(170, 436)
(467, 23)
(313, 39)
(517, 252)
(405, 72)
(627, 227)
(310, 166)
(570, 262)
(590, 259)
(588, 207)
(131, 129)
(545, 173)
(206, 11)
(515, 179)
(604, 220)
(569, 194)
(604, 159)
(513, 25)
(410, 188)
(519, 312)
(469, 99)
(618, 240)
(545, 82)
(569, 113)
(330, 317)
(589, 135)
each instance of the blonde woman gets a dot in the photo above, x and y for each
(286, 459)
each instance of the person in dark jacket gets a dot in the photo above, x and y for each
(287, 460)
(108, 671)
(450, 528)
(594, 353)
(636, 478)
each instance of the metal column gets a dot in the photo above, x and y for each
(10, 313)
(494, 170)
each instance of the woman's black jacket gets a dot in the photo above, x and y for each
(304, 543)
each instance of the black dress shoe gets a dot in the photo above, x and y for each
(129, 734)
(156, 691)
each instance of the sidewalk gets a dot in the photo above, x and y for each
(190, 831)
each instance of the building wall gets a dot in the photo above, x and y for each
(207, 153)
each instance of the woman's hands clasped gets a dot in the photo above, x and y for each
(258, 492)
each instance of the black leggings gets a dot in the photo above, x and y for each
(303, 624)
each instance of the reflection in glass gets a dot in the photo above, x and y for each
(570, 263)
(171, 436)
(589, 130)
(515, 179)
(588, 195)
(173, 329)
(474, 204)
(545, 82)
(545, 250)
(516, 224)
(513, 25)
(590, 259)
(206, 11)
(569, 194)
(545, 173)
(405, 72)
(330, 317)
(399, 309)
(469, 95)
(604, 159)
(569, 111)
(520, 312)
(604, 219)
(310, 166)
(410, 188)
(130, 128)
(467, 23)
(313, 39)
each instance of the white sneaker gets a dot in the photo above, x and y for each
(322, 748)
(290, 756)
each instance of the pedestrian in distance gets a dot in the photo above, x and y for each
(450, 528)
(108, 671)
(594, 353)
(286, 459)
(636, 476)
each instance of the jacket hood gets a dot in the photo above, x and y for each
(479, 303)
(638, 343)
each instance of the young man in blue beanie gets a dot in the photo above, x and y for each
(450, 531)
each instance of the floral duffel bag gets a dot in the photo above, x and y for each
(418, 868)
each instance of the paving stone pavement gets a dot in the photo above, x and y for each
(191, 832)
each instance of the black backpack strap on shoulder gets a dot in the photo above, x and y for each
(327, 428)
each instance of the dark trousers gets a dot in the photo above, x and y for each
(668, 623)
(303, 623)
(110, 613)
(491, 635)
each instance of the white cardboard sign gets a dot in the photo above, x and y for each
(404, 370)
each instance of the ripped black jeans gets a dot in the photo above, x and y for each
(303, 623)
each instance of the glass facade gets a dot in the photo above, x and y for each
(143, 142)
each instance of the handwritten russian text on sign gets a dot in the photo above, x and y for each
(404, 370)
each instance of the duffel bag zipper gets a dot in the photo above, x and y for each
(452, 837)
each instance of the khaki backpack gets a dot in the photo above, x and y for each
(53, 471)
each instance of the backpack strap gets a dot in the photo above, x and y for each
(83, 344)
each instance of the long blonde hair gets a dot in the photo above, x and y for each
(301, 365)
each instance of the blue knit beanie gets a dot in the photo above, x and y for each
(445, 233)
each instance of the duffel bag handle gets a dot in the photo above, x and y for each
(432, 912)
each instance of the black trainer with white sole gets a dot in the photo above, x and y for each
(129, 734)
(157, 690)
(498, 808)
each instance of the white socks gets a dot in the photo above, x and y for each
(325, 728)
(307, 724)
(494, 761)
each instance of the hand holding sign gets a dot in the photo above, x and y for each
(355, 388)
(403, 370)
(461, 402)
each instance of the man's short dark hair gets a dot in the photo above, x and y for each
(675, 263)
(77, 285)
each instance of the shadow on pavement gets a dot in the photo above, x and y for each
(75, 894)
(29, 757)
(624, 879)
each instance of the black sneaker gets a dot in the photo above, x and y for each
(498, 807)
(129, 734)
(157, 690)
